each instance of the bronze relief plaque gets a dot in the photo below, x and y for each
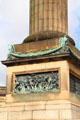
(36, 82)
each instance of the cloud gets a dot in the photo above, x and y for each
(16, 15)
(14, 27)
(74, 21)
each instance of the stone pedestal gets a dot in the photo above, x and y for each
(56, 105)
(40, 110)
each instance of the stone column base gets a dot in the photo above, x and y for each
(42, 110)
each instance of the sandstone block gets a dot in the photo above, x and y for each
(3, 115)
(58, 107)
(20, 115)
(35, 107)
(45, 115)
(65, 115)
(11, 108)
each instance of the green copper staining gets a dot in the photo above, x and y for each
(38, 82)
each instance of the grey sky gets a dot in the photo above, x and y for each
(14, 26)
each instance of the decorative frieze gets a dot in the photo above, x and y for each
(74, 84)
(37, 82)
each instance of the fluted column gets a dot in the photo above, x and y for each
(48, 15)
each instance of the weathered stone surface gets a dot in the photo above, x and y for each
(65, 114)
(46, 115)
(32, 68)
(3, 115)
(35, 107)
(20, 115)
(12, 108)
(40, 110)
(48, 15)
(58, 107)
